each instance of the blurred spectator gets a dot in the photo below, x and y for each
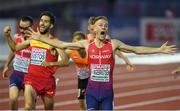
(169, 13)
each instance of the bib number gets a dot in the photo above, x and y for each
(21, 63)
(100, 72)
(38, 56)
(82, 73)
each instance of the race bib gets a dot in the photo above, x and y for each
(21, 63)
(100, 72)
(37, 56)
(82, 73)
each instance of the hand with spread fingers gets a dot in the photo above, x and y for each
(33, 34)
(168, 49)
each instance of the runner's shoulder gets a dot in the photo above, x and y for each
(115, 41)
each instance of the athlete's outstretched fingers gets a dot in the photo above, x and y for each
(30, 29)
(28, 33)
(38, 30)
(165, 43)
(31, 33)
(169, 49)
(172, 46)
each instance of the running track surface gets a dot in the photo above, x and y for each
(148, 87)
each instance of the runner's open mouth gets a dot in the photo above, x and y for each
(103, 33)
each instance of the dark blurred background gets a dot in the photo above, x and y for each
(135, 22)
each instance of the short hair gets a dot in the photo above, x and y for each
(79, 33)
(50, 15)
(98, 18)
(91, 19)
(27, 18)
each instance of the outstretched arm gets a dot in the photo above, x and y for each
(165, 49)
(53, 42)
(61, 44)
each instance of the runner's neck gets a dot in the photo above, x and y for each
(99, 43)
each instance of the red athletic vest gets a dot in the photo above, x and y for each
(40, 52)
(22, 57)
(101, 64)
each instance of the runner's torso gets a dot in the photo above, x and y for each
(101, 63)
(42, 52)
(22, 57)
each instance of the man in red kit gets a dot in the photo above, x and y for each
(91, 35)
(21, 61)
(99, 92)
(40, 80)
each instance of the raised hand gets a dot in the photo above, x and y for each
(168, 49)
(7, 31)
(33, 34)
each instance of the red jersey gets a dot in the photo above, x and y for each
(41, 52)
(22, 57)
(86, 36)
(101, 64)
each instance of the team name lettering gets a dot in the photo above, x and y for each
(100, 56)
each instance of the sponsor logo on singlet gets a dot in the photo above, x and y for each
(100, 72)
(100, 56)
(38, 55)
